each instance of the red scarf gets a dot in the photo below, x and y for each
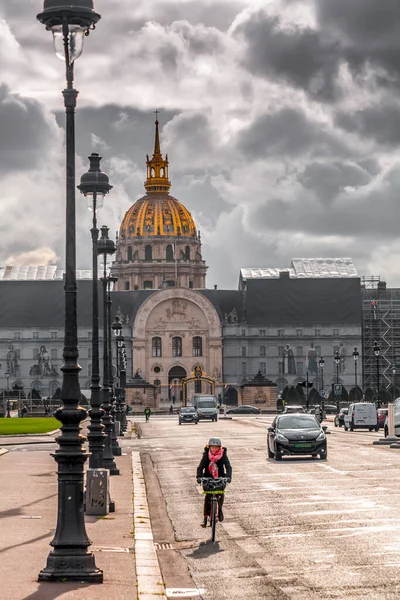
(212, 467)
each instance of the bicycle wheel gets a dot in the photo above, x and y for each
(213, 517)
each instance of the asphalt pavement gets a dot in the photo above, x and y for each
(298, 529)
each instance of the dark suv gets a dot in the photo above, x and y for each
(188, 414)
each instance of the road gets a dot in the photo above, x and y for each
(298, 529)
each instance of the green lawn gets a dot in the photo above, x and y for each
(28, 425)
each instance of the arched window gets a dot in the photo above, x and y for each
(169, 253)
(156, 347)
(187, 253)
(162, 172)
(176, 346)
(153, 172)
(129, 253)
(197, 346)
(54, 385)
(148, 253)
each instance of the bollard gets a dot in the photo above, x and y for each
(97, 491)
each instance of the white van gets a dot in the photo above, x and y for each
(361, 415)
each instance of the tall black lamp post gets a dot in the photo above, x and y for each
(94, 186)
(106, 247)
(337, 362)
(7, 375)
(356, 354)
(377, 351)
(122, 377)
(115, 445)
(70, 559)
(119, 339)
(394, 387)
(321, 366)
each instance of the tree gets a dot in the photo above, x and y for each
(300, 391)
(355, 394)
(313, 397)
(369, 395)
(292, 396)
(384, 396)
(284, 392)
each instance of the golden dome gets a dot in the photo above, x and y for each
(157, 213)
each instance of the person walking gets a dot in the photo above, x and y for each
(171, 410)
(147, 413)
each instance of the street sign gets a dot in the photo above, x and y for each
(323, 394)
(337, 389)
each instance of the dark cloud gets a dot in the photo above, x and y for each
(288, 133)
(369, 34)
(380, 122)
(301, 56)
(328, 179)
(25, 132)
(366, 212)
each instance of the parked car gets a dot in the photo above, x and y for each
(245, 409)
(296, 434)
(381, 414)
(361, 415)
(188, 414)
(294, 409)
(330, 409)
(339, 419)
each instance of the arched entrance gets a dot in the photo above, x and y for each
(175, 376)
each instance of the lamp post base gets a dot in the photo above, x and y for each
(63, 565)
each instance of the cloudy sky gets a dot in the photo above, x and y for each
(281, 120)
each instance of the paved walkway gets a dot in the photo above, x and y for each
(28, 509)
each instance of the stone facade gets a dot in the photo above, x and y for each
(176, 329)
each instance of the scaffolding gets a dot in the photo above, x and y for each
(381, 324)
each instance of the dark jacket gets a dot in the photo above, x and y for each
(223, 464)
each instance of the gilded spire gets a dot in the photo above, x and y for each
(157, 168)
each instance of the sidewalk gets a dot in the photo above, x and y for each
(28, 511)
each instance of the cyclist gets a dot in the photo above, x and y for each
(214, 463)
(147, 413)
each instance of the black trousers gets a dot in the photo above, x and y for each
(207, 503)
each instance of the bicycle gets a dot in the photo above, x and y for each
(215, 488)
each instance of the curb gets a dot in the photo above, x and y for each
(149, 583)
(3, 451)
(23, 443)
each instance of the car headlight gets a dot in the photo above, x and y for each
(281, 438)
(321, 436)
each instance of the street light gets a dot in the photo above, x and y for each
(94, 186)
(377, 354)
(337, 361)
(106, 247)
(7, 375)
(394, 388)
(321, 366)
(70, 559)
(356, 354)
(119, 339)
(115, 445)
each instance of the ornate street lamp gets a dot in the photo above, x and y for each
(94, 186)
(106, 247)
(70, 559)
(119, 339)
(337, 361)
(7, 375)
(124, 422)
(356, 354)
(321, 366)
(377, 351)
(394, 387)
(115, 446)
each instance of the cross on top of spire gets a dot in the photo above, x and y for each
(156, 113)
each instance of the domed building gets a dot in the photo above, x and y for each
(158, 244)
